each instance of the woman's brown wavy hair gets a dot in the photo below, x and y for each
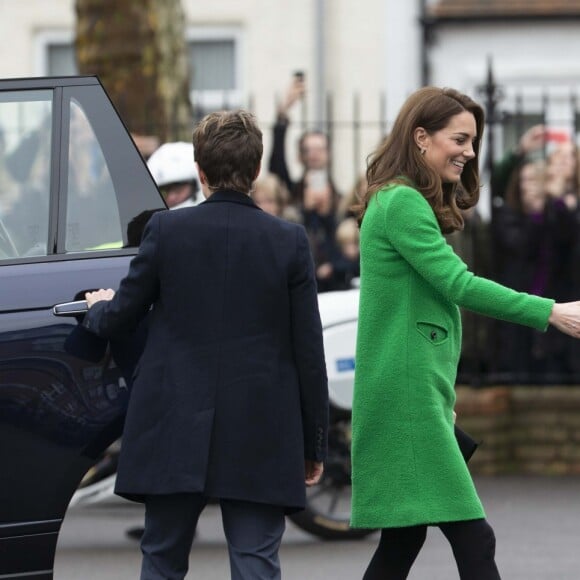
(399, 160)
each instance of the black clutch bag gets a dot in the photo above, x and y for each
(467, 444)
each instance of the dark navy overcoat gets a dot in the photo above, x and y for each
(230, 395)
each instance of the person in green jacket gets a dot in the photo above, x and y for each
(407, 469)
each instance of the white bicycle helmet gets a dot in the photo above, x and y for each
(173, 163)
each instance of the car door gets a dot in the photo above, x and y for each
(74, 197)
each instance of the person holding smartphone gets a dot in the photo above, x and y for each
(313, 145)
(314, 193)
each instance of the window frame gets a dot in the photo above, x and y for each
(63, 88)
(43, 40)
(65, 37)
(220, 33)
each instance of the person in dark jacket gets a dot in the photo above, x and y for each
(535, 233)
(313, 149)
(314, 195)
(230, 397)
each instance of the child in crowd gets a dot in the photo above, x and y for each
(347, 265)
(271, 195)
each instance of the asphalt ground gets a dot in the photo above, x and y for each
(536, 520)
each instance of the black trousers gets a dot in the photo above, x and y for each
(253, 532)
(472, 542)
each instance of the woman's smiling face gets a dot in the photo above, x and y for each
(447, 151)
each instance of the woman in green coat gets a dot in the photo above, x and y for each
(407, 469)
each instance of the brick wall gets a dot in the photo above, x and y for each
(525, 430)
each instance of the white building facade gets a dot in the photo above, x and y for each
(244, 54)
(361, 59)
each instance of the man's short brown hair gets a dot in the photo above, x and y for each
(228, 149)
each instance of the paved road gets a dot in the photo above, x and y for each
(537, 523)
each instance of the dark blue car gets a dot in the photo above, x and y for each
(74, 196)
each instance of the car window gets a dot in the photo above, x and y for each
(92, 212)
(25, 162)
(109, 194)
(72, 181)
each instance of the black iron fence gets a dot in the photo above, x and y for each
(354, 125)
(533, 249)
(355, 129)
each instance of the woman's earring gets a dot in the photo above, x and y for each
(422, 150)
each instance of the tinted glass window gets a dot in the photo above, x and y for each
(25, 161)
(109, 195)
(92, 216)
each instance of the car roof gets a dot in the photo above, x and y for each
(47, 82)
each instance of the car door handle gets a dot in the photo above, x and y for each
(70, 308)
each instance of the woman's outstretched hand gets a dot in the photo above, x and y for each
(566, 318)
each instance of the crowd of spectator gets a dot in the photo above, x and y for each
(532, 244)
(313, 200)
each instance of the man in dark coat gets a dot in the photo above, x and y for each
(230, 398)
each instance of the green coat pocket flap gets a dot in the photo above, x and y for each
(434, 333)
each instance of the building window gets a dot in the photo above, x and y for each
(214, 54)
(55, 54)
(215, 60)
(212, 65)
(514, 125)
(61, 60)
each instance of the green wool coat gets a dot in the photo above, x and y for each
(406, 465)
